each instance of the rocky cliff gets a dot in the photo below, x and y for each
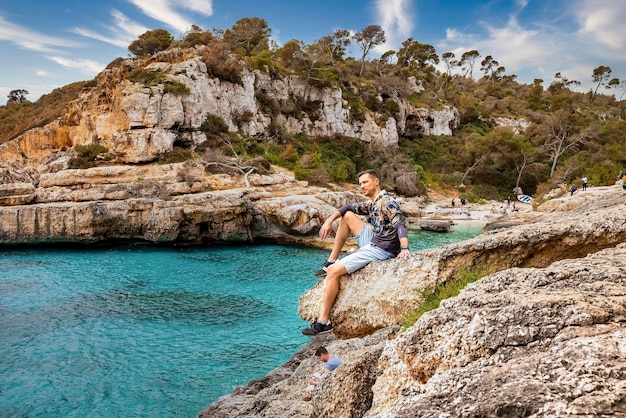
(132, 111)
(138, 119)
(543, 335)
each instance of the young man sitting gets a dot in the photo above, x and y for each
(383, 236)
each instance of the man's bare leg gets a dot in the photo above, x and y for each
(350, 224)
(331, 288)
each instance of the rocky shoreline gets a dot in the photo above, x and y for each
(542, 335)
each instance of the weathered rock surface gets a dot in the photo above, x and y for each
(543, 336)
(434, 225)
(528, 342)
(281, 392)
(164, 203)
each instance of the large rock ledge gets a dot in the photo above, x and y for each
(170, 203)
(533, 342)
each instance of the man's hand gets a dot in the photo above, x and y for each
(403, 253)
(326, 229)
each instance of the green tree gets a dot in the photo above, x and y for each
(367, 38)
(336, 44)
(467, 62)
(417, 56)
(492, 69)
(151, 42)
(600, 75)
(196, 36)
(562, 134)
(17, 96)
(249, 36)
(448, 59)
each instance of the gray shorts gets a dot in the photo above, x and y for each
(366, 252)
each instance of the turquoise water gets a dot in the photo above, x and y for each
(143, 331)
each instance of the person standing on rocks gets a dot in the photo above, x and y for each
(584, 182)
(332, 362)
(382, 237)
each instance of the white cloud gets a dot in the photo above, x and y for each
(395, 17)
(603, 21)
(85, 66)
(42, 73)
(31, 40)
(164, 11)
(121, 34)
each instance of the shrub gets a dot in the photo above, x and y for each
(86, 155)
(430, 299)
(213, 125)
(176, 155)
(154, 78)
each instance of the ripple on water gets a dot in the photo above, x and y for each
(140, 331)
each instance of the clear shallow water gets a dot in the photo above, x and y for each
(139, 331)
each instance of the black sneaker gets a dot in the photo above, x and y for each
(324, 269)
(317, 328)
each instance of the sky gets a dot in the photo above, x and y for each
(45, 44)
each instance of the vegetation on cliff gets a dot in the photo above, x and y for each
(510, 136)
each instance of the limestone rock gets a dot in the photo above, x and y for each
(380, 294)
(137, 123)
(521, 342)
(16, 194)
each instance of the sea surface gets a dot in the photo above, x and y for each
(147, 331)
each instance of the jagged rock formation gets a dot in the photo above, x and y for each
(544, 339)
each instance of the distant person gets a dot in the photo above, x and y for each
(584, 182)
(573, 189)
(508, 201)
(332, 362)
(452, 202)
(623, 182)
(382, 237)
(463, 201)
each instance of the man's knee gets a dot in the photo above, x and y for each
(335, 271)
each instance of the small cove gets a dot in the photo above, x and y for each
(138, 330)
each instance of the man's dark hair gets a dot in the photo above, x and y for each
(320, 351)
(372, 173)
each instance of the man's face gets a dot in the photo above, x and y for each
(369, 185)
(323, 357)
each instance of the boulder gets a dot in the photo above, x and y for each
(436, 225)
(539, 342)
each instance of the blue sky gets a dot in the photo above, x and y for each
(46, 44)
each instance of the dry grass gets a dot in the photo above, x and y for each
(17, 119)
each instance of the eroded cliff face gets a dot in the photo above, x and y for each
(137, 123)
(544, 335)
